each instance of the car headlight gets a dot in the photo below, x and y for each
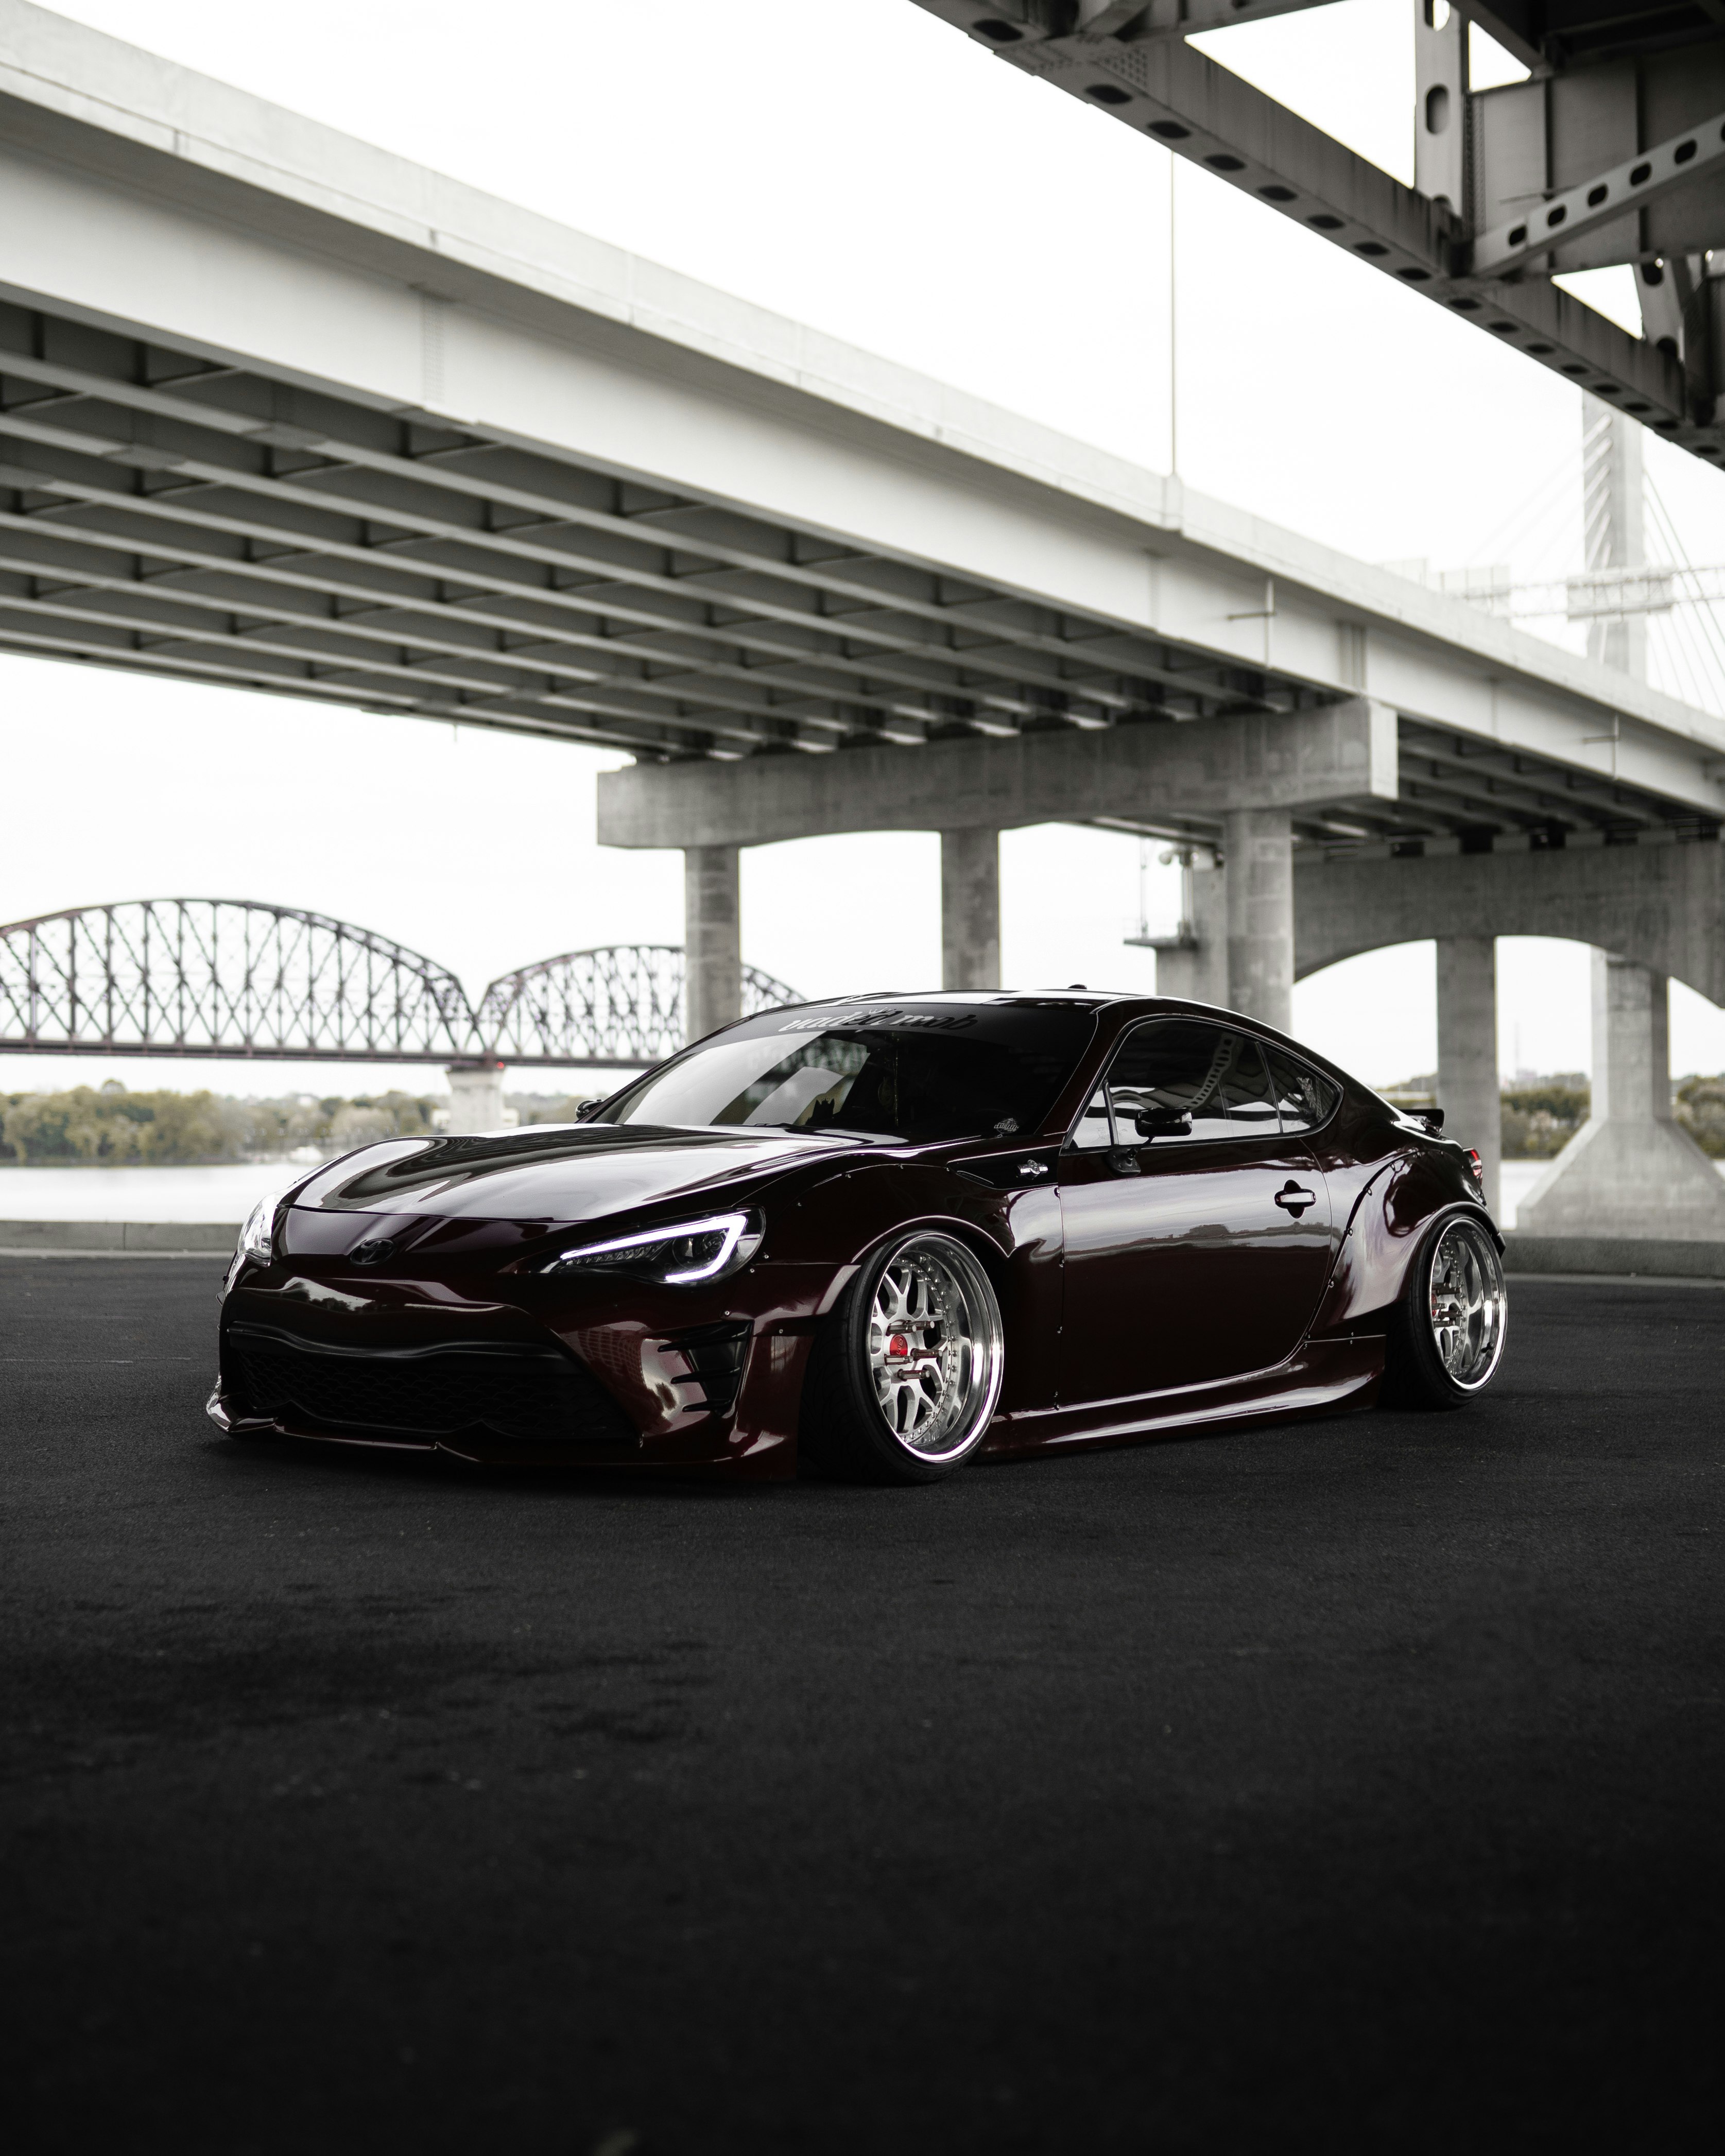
(257, 1238)
(676, 1257)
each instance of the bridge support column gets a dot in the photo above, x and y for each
(712, 939)
(1468, 1088)
(1258, 873)
(970, 908)
(1193, 965)
(1629, 1170)
(475, 1098)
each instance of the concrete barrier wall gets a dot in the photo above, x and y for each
(216, 1236)
(1613, 1254)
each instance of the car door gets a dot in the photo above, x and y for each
(1197, 1231)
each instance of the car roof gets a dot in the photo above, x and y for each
(1075, 995)
(1075, 992)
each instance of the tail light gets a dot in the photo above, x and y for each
(1478, 1166)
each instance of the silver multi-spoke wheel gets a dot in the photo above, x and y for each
(906, 1371)
(1467, 1303)
(933, 1346)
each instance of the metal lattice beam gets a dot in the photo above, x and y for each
(619, 1005)
(1135, 66)
(204, 978)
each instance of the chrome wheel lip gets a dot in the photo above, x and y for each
(1466, 1296)
(932, 1304)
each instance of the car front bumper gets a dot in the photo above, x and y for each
(524, 1370)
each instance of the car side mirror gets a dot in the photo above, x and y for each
(1163, 1123)
(587, 1110)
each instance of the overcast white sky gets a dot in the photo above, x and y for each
(862, 167)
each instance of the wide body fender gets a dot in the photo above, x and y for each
(1016, 1233)
(1398, 1201)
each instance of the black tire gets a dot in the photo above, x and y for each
(1446, 1336)
(906, 1397)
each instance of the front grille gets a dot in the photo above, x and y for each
(537, 1395)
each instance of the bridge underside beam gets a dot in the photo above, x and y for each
(164, 513)
(1661, 905)
(1342, 755)
(205, 520)
(338, 428)
(1170, 93)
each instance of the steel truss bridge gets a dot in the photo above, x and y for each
(231, 977)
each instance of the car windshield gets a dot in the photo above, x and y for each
(913, 1072)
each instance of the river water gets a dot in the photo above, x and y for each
(219, 1195)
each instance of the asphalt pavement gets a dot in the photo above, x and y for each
(1353, 1784)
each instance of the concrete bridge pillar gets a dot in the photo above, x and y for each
(475, 1098)
(712, 939)
(1192, 964)
(1468, 1089)
(1258, 880)
(1629, 1170)
(970, 908)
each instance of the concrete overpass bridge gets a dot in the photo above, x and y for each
(281, 410)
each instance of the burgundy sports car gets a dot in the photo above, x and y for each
(878, 1235)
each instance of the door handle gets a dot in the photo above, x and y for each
(1295, 1200)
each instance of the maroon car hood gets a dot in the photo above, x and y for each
(560, 1173)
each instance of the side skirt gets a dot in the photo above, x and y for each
(1319, 1378)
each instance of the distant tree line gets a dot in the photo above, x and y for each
(1539, 1120)
(1700, 1110)
(110, 1124)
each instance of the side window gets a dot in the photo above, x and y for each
(1303, 1099)
(1246, 1091)
(1093, 1132)
(1182, 1068)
